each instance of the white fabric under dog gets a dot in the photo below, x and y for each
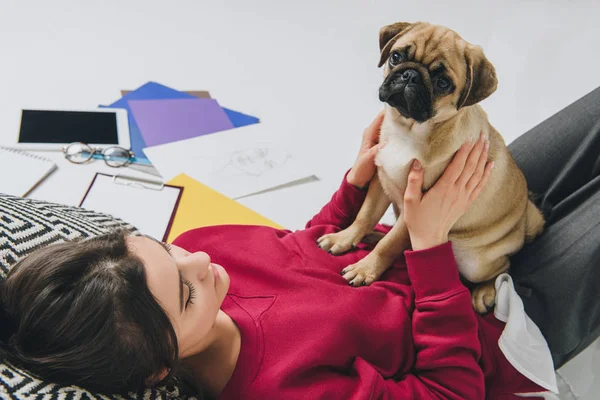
(522, 342)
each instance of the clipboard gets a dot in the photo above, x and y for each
(148, 205)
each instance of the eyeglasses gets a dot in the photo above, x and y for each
(114, 156)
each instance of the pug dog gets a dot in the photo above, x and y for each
(433, 82)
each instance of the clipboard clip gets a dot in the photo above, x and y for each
(137, 182)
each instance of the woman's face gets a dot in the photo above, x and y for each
(189, 288)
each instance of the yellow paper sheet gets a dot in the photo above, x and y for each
(202, 206)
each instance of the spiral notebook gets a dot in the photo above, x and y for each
(21, 172)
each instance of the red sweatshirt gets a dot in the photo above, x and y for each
(307, 334)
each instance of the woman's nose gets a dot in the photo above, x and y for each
(196, 264)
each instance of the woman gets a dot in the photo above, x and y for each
(261, 313)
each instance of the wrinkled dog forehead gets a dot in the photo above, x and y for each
(433, 46)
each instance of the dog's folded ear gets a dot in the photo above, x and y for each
(386, 34)
(481, 78)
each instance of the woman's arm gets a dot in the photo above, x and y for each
(444, 331)
(342, 208)
(347, 200)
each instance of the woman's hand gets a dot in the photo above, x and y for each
(364, 167)
(430, 216)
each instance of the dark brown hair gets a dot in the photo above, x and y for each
(82, 313)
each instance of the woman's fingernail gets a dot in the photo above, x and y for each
(416, 164)
(493, 165)
(487, 145)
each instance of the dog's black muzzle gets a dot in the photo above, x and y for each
(408, 90)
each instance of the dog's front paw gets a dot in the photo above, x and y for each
(366, 271)
(483, 297)
(339, 242)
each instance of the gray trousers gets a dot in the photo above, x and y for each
(558, 275)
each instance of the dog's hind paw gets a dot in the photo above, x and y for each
(483, 297)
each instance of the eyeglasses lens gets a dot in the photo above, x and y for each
(116, 157)
(78, 153)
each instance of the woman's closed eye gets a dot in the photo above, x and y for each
(192, 291)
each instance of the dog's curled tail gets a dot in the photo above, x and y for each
(534, 220)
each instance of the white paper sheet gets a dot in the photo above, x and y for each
(236, 162)
(149, 210)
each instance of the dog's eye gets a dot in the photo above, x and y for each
(443, 83)
(396, 58)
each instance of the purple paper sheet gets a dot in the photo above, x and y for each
(169, 120)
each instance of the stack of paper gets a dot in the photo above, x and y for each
(159, 114)
(230, 152)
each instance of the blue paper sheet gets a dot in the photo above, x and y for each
(155, 91)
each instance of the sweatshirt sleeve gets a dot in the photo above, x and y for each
(342, 208)
(445, 335)
(445, 329)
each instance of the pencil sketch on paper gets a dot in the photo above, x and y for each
(255, 161)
